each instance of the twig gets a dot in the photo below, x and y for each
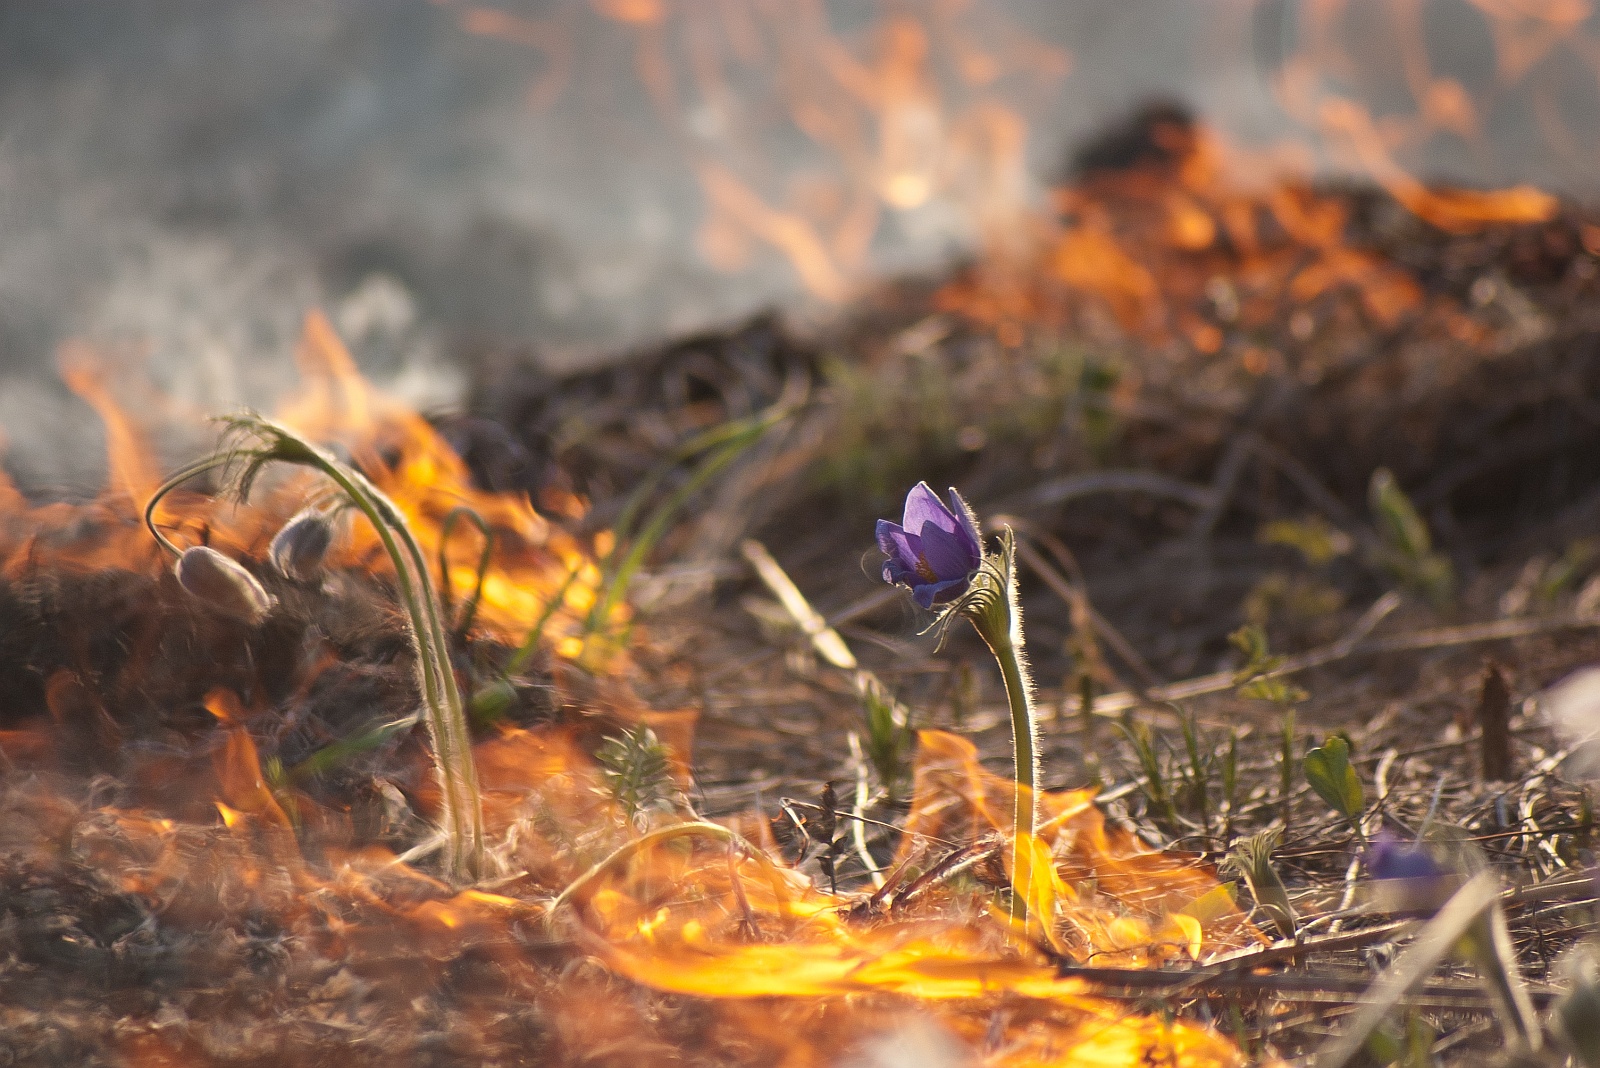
(1141, 983)
(828, 644)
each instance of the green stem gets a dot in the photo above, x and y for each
(616, 588)
(530, 644)
(998, 619)
(469, 610)
(210, 463)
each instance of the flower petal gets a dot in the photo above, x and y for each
(947, 554)
(901, 552)
(923, 506)
(931, 593)
(968, 529)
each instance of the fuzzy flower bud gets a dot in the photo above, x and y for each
(299, 548)
(223, 585)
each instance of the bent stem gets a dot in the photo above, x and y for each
(445, 711)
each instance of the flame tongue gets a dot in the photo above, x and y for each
(747, 936)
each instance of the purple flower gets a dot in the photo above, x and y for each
(1392, 858)
(934, 550)
(1410, 878)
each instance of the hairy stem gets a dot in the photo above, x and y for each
(998, 619)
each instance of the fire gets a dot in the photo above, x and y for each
(908, 115)
(626, 942)
(532, 560)
(215, 828)
(921, 109)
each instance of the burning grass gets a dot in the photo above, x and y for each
(219, 833)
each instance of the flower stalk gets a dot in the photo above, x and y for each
(257, 442)
(937, 553)
(991, 606)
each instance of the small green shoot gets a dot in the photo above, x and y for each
(890, 736)
(1258, 679)
(1195, 777)
(1318, 540)
(469, 610)
(1252, 859)
(723, 444)
(637, 768)
(1330, 774)
(1155, 789)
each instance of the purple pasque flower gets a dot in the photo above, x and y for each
(1391, 857)
(1410, 877)
(934, 550)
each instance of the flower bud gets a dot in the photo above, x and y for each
(298, 550)
(1409, 876)
(223, 585)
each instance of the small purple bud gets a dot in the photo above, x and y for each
(934, 550)
(1410, 877)
(223, 585)
(299, 548)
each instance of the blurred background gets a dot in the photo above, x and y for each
(562, 181)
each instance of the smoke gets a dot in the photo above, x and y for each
(184, 181)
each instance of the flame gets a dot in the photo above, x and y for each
(222, 832)
(732, 929)
(403, 455)
(908, 114)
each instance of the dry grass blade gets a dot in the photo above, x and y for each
(828, 644)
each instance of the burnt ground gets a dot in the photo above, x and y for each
(1164, 495)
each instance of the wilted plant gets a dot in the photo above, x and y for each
(253, 442)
